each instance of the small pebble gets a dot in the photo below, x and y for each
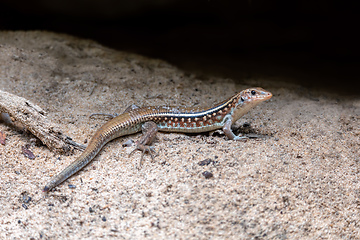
(205, 162)
(26, 199)
(128, 143)
(207, 174)
(27, 153)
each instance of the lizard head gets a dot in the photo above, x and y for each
(248, 99)
(254, 95)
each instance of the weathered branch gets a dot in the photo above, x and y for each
(33, 118)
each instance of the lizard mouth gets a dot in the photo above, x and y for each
(267, 95)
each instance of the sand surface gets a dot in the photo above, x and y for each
(301, 179)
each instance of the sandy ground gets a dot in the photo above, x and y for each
(300, 180)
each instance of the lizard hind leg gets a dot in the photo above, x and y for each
(149, 130)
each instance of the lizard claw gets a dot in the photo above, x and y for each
(144, 149)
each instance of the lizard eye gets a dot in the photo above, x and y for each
(253, 92)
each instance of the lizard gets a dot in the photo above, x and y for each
(167, 119)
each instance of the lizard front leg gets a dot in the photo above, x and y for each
(229, 133)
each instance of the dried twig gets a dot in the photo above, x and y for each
(33, 118)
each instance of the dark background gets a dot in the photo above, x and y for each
(314, 43)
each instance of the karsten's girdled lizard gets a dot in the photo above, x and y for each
(166, 119)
